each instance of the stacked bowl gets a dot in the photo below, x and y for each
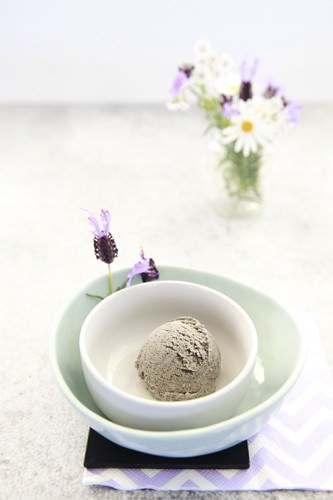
(94, 348)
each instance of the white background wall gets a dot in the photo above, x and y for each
(107, 50)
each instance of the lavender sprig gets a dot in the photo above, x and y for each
(247, 75)
(104, 245)
(146, 268)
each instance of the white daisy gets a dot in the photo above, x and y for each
(268, 109)
(202, 50)
(247, 131)
(213, 60)
(200, 74)
(228, 84)
(178, 103)
(226, 62)
(204, 76)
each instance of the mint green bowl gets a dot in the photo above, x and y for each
(281, 354)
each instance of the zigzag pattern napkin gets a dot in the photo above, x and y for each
(293, 451)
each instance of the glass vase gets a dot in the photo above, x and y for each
(237, 183)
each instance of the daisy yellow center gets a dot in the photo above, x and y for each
(247, 126)
(233, 88)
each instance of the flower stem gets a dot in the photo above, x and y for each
(242, 174)
(99, 297)
(110, 279)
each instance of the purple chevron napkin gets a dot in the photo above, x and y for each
(293, 451)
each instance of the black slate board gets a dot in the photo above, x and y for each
(103, 454)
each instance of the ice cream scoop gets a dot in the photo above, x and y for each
(180, 360)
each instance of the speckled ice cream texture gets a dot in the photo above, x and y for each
(180, 360)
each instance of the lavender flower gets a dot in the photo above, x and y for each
(187, 69)
(178, 83)
(247, 75)
(104, 245)
(272, 91)
(146, 268)
(248, 71)
(184, 72)
(229, 109)
(293, 109)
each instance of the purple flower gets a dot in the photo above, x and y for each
(228, 107)
(187, 69)
(247, 74)
(293, 109)
(146, 268)
(272, 90)
(248, 71)
(104, 245)
(105, 223)
(227, 110)
(178, 83)
(184, 73)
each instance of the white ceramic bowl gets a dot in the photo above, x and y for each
(276, 371)
(115, 330)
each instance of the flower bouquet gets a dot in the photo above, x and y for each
(243, 120)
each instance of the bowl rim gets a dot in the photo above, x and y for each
(170, 405)
(237, 420)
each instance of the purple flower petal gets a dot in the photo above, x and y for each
(178, 83)
(105, 219)
(138, 268)
(293, 109)
(145, 268)
(272, 89)
(105, 222)
(229, 109)
(94, 223)
(248, 71)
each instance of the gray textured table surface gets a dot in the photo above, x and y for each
(150, 168)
